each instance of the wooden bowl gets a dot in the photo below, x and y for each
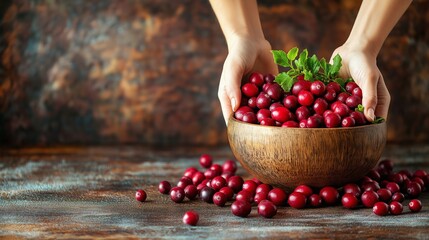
(287, 157)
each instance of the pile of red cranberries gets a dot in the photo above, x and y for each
(381, 189)
(307, 105)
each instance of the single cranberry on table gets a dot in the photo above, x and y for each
(177, 194)
(229, 166)
(297, 200)
(352, 188)
(206, 160)
(380, 208)
(191, 218)
(420, 173)
(228, 192)
(398, 197)
(217, 183)
(397, 178)
(235, 183)
(250, 186)
(219, 199)
(395, 208)
(369, 198)
(386, 164)
(304, 189)
(349, 200)
(393, 187)
(210, 173)
(329, 195)
(419, 181)
(263, 188)
(206, 194)
(164, 187)
(184, 181)
(260, 196)
(384, 194)
(189, 172)
(244, 195)
(241, 208)
(267, 209)
(198, 178)
(277, 196)
(141, 195)
(413, 189)
(315, 200)
(191, 192)
(415, 205)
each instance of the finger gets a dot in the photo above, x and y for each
(383, 101)
(369, 96)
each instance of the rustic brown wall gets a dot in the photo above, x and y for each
(113, 71)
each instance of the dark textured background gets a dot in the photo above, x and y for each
(146, 72)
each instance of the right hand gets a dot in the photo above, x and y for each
(245, 56)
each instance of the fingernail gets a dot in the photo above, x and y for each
(371, 114)
(233, 103)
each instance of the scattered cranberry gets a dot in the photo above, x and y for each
(241, 208)
(369, 198)
(177, 194)
(419, 181)
(304, 189)
(260, 196)
(386, 164)
(329, 195)
(164, 187)
(315, 200)
(370, 186)
(267, 209)
(228, 192)
(191, 192)
(415, 205)
(297, 200)
(250, 186)
(184, 181)
(393, 187)
(380, 208)
(219, 199)
(198, 178)
(420, 173)
(350, 201)
(398, 197)
(206, 160)
(244, 195)
(217, 183)
(277, 196)
(397, 178)
(191, 218)
(395, 208)
(352, 188)
(206, 194)
(413, 189)
(235, 183)
(263, 188)
(141, 195)
(384, 194)
(229, 166)
(189, 172)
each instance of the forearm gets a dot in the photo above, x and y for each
(238, 18)
(375, 20)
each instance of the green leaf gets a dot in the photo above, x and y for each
(303, 58)
(336, 66)
(378, 120)
(313, 64)
(323, 65)
(342, 83)
(308, 75)
(285, 81)
(359, 108)
(280, 58)
(292, 54)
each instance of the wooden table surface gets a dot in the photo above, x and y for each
(88, 192)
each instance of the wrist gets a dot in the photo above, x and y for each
(364, 44)
(234, 38)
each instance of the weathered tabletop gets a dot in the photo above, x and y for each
(88, 192)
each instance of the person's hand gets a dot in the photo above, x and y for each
(362, 67)
(245, 56)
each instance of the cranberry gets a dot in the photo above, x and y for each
(275, 92)
(250, 90)
(420, 173)
(290, 124)
(398, 197)
(357, 92)
(314, 200)
(267, 122)
(370, 186)
(235, 183)
(227, 175)
(349, 200)
(277, 196)
(384, 194)
(340, 108)
(350, 86)
(275, 105)
(317, 88)
(209, 173)
(314, 122)
(260, 196)
(335, 86)
(164, 187)
(249, 117)
(250, 186)
(206, 194)
(228, 192)
(395, 208)
(413, 189)
(269, 78)
(342, 97)
(397, 178)
(189, 172)
(141, 195)
(393, 187)
(300, 85)
(415, 205)
(191, 218)
(266, 86)
(304, 189)
(305, 98)
(251, 102)
(263, 101)
(320, 106)
(291, 102)
(263, 188)
(280, 114)
(198, 178)
(257, 79)
(297, 200)
(332, 120)
(241, 208)
(369, 198)
(177, 194)
(217, 183)
(303, 123)
(326, 113)
(348, 122)
(380, 208)
(267, 209)
(263, 113)
(419, 181)
(352, 188)
(358, 117)
(184, 181)
(229, 166)
(191, 192)
(374, 175)
(238, 115)
(330, 95)
(329, 195)
(244, 195)
(386, 164)
(353, 101)
(219, 199)
(206, 161)
(302, 113)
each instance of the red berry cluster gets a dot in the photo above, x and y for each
(381, 189)
(307, 105)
